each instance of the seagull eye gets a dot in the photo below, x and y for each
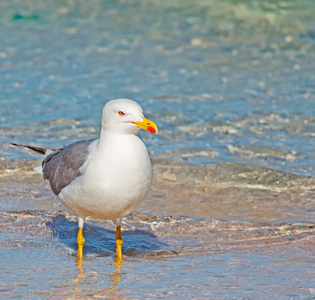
(121, 113)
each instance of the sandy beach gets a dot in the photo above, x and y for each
(192, 225)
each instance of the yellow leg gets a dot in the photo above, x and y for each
(81, 242)
(119, 242)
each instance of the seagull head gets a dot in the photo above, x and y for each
(125, 116)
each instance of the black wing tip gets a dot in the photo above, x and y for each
(39, 150)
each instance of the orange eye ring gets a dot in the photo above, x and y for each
(121, 113)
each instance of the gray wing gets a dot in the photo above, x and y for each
(63, 166)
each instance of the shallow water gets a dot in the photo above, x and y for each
(225, 81)
(236, 239)
(230, 85)
(177, 257)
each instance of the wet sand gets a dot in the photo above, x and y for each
(223, 231)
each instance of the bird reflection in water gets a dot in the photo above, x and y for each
(83, 281)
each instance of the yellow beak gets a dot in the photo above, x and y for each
(147, 125)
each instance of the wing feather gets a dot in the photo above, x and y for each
(63, 166)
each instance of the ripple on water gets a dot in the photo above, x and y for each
(210, 256)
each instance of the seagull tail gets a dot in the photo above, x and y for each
(36, 149)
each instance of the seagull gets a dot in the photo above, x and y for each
(104, 178)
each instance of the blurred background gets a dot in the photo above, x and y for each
(224, 80)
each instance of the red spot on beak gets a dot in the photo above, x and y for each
(151, 129)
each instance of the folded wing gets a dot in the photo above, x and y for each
(63, 166)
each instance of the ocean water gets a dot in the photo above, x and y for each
(224, 80)
(230, 85)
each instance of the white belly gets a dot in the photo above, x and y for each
(114, 180)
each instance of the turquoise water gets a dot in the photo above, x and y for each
(224, 80)
(230, 85)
